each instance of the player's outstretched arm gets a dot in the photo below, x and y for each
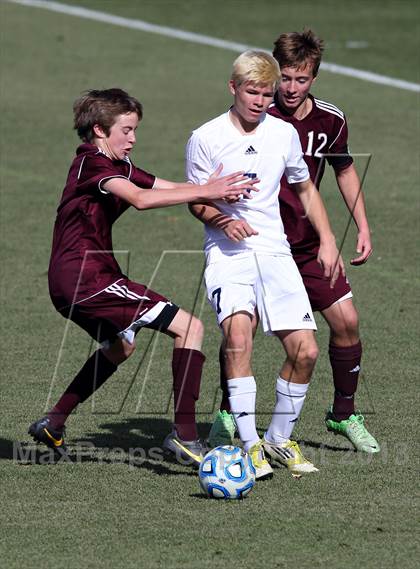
(166, 193)
(209, 214)
(328, 256)
(349, 184)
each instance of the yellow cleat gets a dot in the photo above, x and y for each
(289, 455)
(263, 470)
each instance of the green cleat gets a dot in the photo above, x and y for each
(354, 430)
(223, 430)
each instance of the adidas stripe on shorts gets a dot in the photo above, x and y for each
(120, 310)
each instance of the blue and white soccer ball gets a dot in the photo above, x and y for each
(227, 473)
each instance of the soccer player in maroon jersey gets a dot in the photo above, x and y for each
(88, 287)
(322, 129)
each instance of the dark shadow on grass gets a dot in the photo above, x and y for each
(6, 449)
(24, 453)
(31, 454)
(141, 439)
(135, 442)
(138, 432)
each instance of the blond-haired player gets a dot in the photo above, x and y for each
(257, 274)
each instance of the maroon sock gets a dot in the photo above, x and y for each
(345, 363)
(93, 374)
(187, 366)
(224, 404)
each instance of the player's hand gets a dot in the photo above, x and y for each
(245, 195)
(238, 229)
(331, 261)
(364, 247)
(230, 187)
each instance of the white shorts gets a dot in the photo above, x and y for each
(270, 284)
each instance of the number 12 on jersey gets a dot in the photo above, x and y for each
(322, 138)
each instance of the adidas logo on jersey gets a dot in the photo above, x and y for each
(307, 318)
(250, 150)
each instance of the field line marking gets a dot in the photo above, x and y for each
(86, 13)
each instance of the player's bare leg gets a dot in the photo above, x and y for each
(238, 338)
(291, 387)
(301, 355)
(223, 428)
(345, 352)
(292, 383)
(187, 331)
(119, 351)
(242, 389)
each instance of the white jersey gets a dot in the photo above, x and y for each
(272, 150)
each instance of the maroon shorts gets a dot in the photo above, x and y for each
(121, 309)
(321, 296)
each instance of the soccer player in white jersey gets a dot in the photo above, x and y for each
(257, 275)
(323, 133)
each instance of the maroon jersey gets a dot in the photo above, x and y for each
(82, 261)
(322, 132)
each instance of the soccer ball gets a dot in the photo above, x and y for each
(227, 473)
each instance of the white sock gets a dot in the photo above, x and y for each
(289, 402)
(242, 395)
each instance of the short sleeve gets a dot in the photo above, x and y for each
(198, 164)
(142, 178)
(94, 170)
(341, 158)
(296, 169)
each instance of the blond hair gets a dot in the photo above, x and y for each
(257, 67)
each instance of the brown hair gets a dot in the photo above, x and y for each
(298, 50)
(102, 108)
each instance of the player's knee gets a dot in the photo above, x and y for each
(312, 354)
(128, 349)
(196, 329)
(352, 324)
(237, 344)
(307, 356)
(119, 351)
(346, 330)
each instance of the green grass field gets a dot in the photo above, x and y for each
(118, 507)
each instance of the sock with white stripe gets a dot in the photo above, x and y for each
(289, 402)
(242, 396)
